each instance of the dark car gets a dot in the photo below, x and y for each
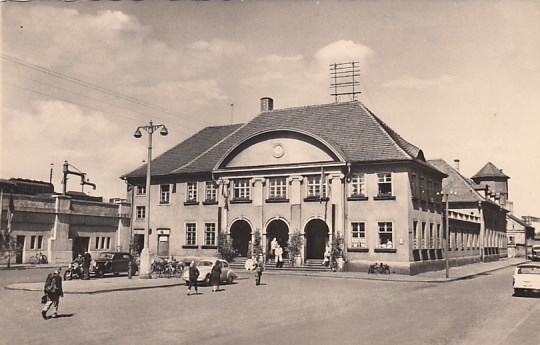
(115, 263)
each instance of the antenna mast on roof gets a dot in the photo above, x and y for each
(344, 76)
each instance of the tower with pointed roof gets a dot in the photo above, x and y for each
(493, 182)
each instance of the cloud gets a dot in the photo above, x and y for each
(411, 82)
(56, 131)
(344, 51)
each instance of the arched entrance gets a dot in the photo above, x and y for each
(316, 238)
(241, 236)
(279, 230)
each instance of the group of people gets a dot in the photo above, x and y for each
(85, 261)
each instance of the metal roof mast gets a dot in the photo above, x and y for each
(345, 76)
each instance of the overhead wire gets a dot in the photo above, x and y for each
(101, 89)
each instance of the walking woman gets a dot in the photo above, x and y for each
(193, 275)
(215, 275)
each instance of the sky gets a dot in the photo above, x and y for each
(459, 79)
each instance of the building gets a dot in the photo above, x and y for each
(59, 226)
(318, 170)
(520, 236)
(477, 223)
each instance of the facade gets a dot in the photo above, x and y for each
(59, 226)
(322, 171)
(520, 237)
(477, 223)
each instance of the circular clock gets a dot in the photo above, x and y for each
(278, 151)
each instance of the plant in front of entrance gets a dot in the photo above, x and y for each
(257, 249)
(8, 248)
(225, 247)
(337, 252)
(294, 247)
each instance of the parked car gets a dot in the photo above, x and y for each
(527, 279)
(115, 263)
(535, 253)
(205, 267)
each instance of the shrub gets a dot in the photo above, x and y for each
(295, 244)
(225, 248)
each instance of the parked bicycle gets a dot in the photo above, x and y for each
(379, 268)
(39, 259)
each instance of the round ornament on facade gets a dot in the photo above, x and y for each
(278, 151)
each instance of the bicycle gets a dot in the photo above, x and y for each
(38, 259)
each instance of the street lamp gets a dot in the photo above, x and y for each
(446, 231)
(145, 269)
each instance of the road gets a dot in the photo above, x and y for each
(284, 310)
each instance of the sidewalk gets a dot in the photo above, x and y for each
(122, 283)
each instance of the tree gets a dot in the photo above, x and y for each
(294, 246)
(257, 244)
(336, 251)
(225, 248)
(8, 247)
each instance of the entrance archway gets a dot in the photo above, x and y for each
(241, 236)
(316, 238)
(279, 230)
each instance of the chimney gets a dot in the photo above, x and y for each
(267, 104)
(456, 164)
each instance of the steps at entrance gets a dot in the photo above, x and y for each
(311, 265)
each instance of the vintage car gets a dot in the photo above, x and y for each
(527, 279)
(115, 263)
(535, 253)
(205, 267)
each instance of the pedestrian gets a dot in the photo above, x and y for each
(53, 290)
(87, 259)
(279, 256)
(215, 275)
(273, 245)
(193, 275)
(259, 268)
(326, 261)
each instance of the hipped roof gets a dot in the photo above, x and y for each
(349, 128)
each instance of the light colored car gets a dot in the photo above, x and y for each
(527, 279)
(205, 268)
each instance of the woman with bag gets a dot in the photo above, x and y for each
(53, 290)
(215, 275)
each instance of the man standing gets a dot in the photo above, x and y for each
(87, 259)
(279, 256)
(53, 290)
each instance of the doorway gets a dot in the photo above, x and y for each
(316, 238)
(19, 249)
(279, 230)
(80, 246)
(241, 237)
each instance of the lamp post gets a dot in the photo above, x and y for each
(145, 269)
(446, 231)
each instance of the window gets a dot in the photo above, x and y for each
(278, 188)
(385, 235)
(210, 234)
(430, 190)
(103, 242)
(438, 241)
(191, 192)
(414, 185)
(423, 235)
(141, 190)
(415, 235)
(36, 242)
(191, 234)
(165, 194)
(210, 191)
(358, 235)
(385, 184)
(431, 237)
(422, 188)
(242, 190)
(314, 187)
(141, 212)
(358, 184)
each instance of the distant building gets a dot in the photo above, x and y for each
(477, 224)
(520, 236)
(59, 226)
